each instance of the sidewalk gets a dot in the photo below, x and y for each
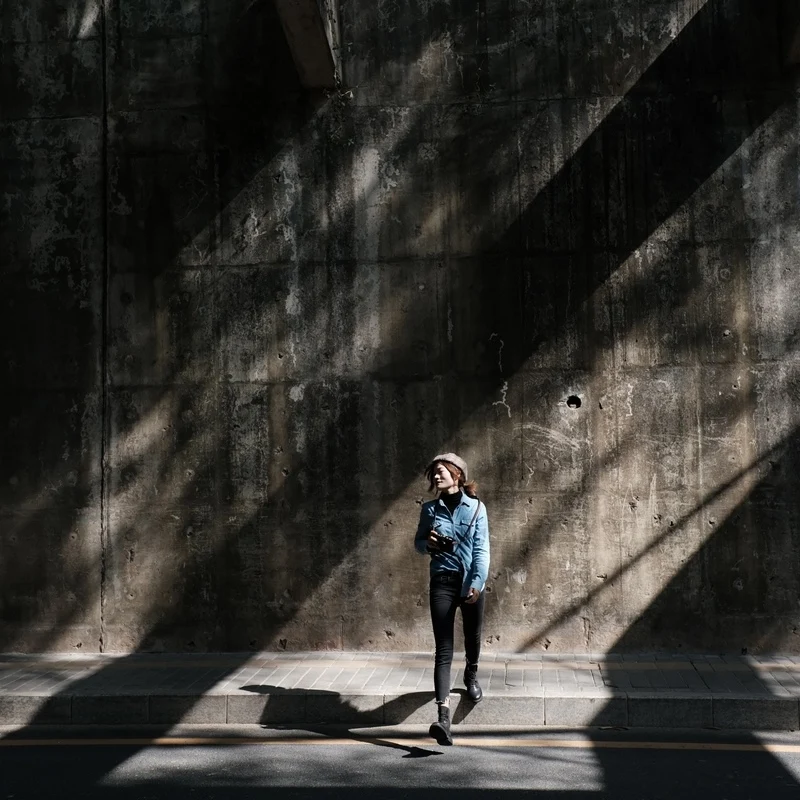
(360, 688)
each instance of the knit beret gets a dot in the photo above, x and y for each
(450, 458)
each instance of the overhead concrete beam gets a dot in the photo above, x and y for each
(793, 54)
(790, 25)
(311, 28)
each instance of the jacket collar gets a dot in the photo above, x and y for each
(466, 500)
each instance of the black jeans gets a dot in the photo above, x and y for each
(445, 597)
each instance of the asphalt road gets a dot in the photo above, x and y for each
(249, 763)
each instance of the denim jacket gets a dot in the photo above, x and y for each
(470, 554)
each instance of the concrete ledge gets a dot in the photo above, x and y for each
(340, 708)
(500, 710)
(278, 708)
(414, 708)
(172, 709)
(552, 709)
(577, 712)
(647, 710)
(110, 709)
(35, 710)
(756, 713)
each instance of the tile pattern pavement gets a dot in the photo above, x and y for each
(387, 688)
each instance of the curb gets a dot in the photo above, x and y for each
(623, 709)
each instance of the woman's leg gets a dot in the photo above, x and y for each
(472, 617)
(444, 601)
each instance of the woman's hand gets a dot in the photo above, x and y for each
(472, 595)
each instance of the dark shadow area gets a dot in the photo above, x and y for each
(741, 578)
(668, 136)
(713, 86)
(692, 578)
(135, 343)
(331, 707)
(636, 179)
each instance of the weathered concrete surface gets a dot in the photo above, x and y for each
(560, 239)
(51, 274)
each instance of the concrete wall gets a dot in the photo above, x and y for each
(239, 321)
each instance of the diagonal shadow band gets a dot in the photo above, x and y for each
(746, 474)
(332, 707)
(686, 141)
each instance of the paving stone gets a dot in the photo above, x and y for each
(639, 679)
(515, 677)
(585, 678)
(674, 679)
(377, 680)
(360, 682)
(617, 680)
(496, 683)
(532, 678)
(567, 677)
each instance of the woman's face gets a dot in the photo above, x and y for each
(442, 479)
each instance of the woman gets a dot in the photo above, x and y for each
(454, 530)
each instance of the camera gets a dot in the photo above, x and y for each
(444, 544)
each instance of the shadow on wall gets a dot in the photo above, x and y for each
(660, 151)
(631, 222)
(741, 579)
(733, 594)
(162, 417)
(199, 456)
(202, 570)
(190, 519)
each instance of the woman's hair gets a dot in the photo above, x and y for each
(470, 488)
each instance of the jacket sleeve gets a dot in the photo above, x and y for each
(424, 528)
(480, 551)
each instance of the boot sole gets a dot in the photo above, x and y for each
(440, 734)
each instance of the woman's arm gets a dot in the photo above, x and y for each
(480, 551)
(424, 529)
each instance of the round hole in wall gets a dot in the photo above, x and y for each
(573, 401)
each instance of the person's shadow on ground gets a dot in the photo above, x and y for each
(311, 706)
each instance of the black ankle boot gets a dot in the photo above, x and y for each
(474, 691)
(440, 730)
